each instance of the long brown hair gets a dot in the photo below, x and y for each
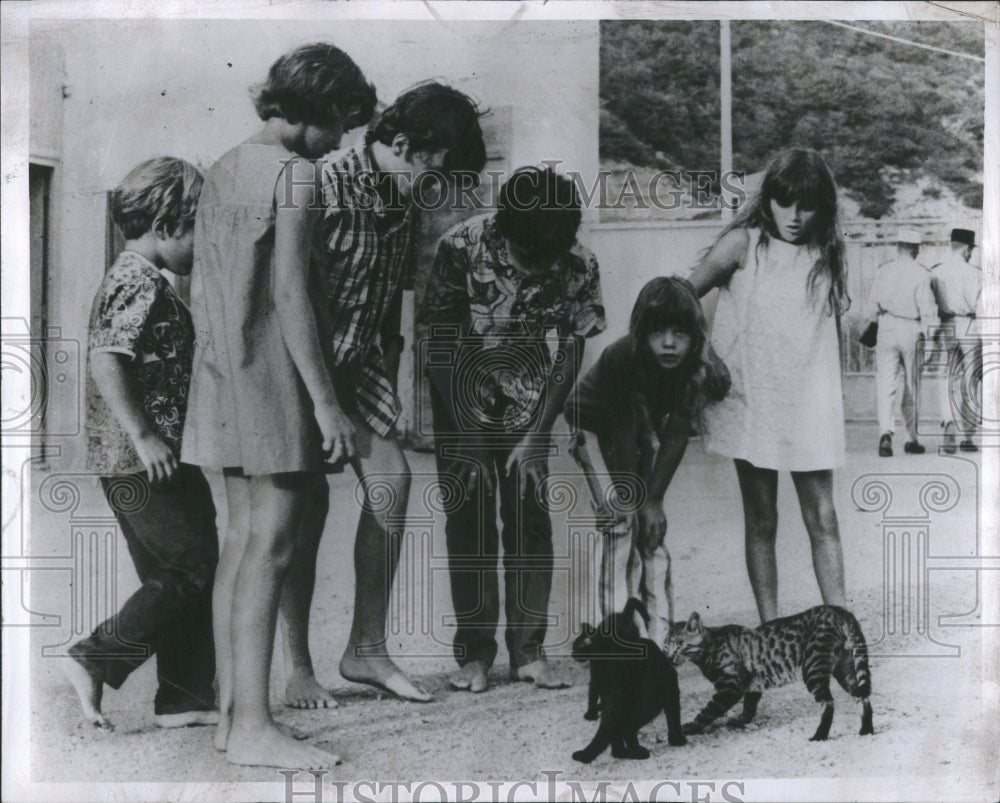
(800, 175)
(672, 301)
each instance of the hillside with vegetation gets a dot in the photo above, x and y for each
(889, 117)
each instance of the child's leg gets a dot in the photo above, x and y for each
(528, 563)
(174, 562)
(276, 505)
(385, 475)
(233, 546)
(473, 544)
(815, 491)
(759, 489)
(86, 675)
(185, 657)
(185, 668)
(301, 687)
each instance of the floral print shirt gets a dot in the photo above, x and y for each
(137, 313)
(505, 317)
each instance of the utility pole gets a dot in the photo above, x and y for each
(726, 112)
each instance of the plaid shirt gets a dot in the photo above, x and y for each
(367, 257)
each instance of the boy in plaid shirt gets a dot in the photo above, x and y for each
(367, 245)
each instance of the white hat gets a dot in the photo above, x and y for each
(908, 236)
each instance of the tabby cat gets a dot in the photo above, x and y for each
(742, 662)
(631, 682)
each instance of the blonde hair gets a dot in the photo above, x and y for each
(164, 188)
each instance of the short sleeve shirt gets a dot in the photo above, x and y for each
(506, 315)
(959, 284)
(137, 313)
(902, 288)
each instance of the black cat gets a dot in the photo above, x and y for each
(631, 681)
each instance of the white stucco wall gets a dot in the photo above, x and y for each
(137, 89)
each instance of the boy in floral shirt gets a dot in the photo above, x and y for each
(500, 284)
(141, 342)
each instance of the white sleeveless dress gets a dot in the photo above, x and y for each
(785, 410)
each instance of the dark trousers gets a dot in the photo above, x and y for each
(473, 555)
(171, 536)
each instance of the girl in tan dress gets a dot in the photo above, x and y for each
(262, 405)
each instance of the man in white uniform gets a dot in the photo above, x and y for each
(957, 284)
(902, 303)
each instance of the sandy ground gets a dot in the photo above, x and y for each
(931, 729)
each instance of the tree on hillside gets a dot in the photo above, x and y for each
(882, 112)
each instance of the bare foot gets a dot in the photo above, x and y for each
(269, 747)
(187, 719)
(471, 677)
(380, 672)
(89, 691)
(222, 733)
(304, 691)
(541, 673)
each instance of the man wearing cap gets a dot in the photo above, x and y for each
(902, 303)
(956, 284)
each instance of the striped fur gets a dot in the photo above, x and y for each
(741, 662)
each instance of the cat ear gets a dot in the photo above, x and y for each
(694, 623)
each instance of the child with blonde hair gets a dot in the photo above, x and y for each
(141, 343)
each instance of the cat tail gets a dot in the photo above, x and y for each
(863, 678)
(855, 643)
(633, 605)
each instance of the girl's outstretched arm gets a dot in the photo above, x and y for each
(588, 406)
(721, 261)
(673, 443)
(297, 211)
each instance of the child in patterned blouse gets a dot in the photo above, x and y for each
(141, 343)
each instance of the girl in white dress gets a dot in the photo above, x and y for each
(783, 286)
